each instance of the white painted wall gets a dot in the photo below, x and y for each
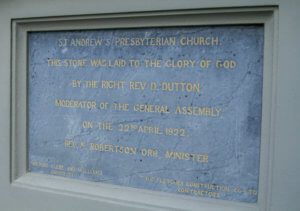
(285, 171)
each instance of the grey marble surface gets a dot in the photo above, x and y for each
(231, 139)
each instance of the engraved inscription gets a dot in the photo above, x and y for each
(173, 109)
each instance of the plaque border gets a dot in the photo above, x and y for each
(132, 197)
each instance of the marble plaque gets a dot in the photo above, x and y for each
(172, 109)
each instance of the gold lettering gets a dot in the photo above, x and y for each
(153, 63)
(145, 41)
(120, 63)
(149, 152)
(75, 104)
(105, 84)
(84, 42)
(151, 108)
(113, 148)
(105, 126)
(204, 193)
(199, 41)
(121, 106)
(137, 85)
(91, 84)
(201, 158)
(180, 87)
(54, 62)
(198, 111)
(74, 63)
(180, 63)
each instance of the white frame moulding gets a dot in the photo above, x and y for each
(139, 198)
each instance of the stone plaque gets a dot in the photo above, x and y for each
(173, 109)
